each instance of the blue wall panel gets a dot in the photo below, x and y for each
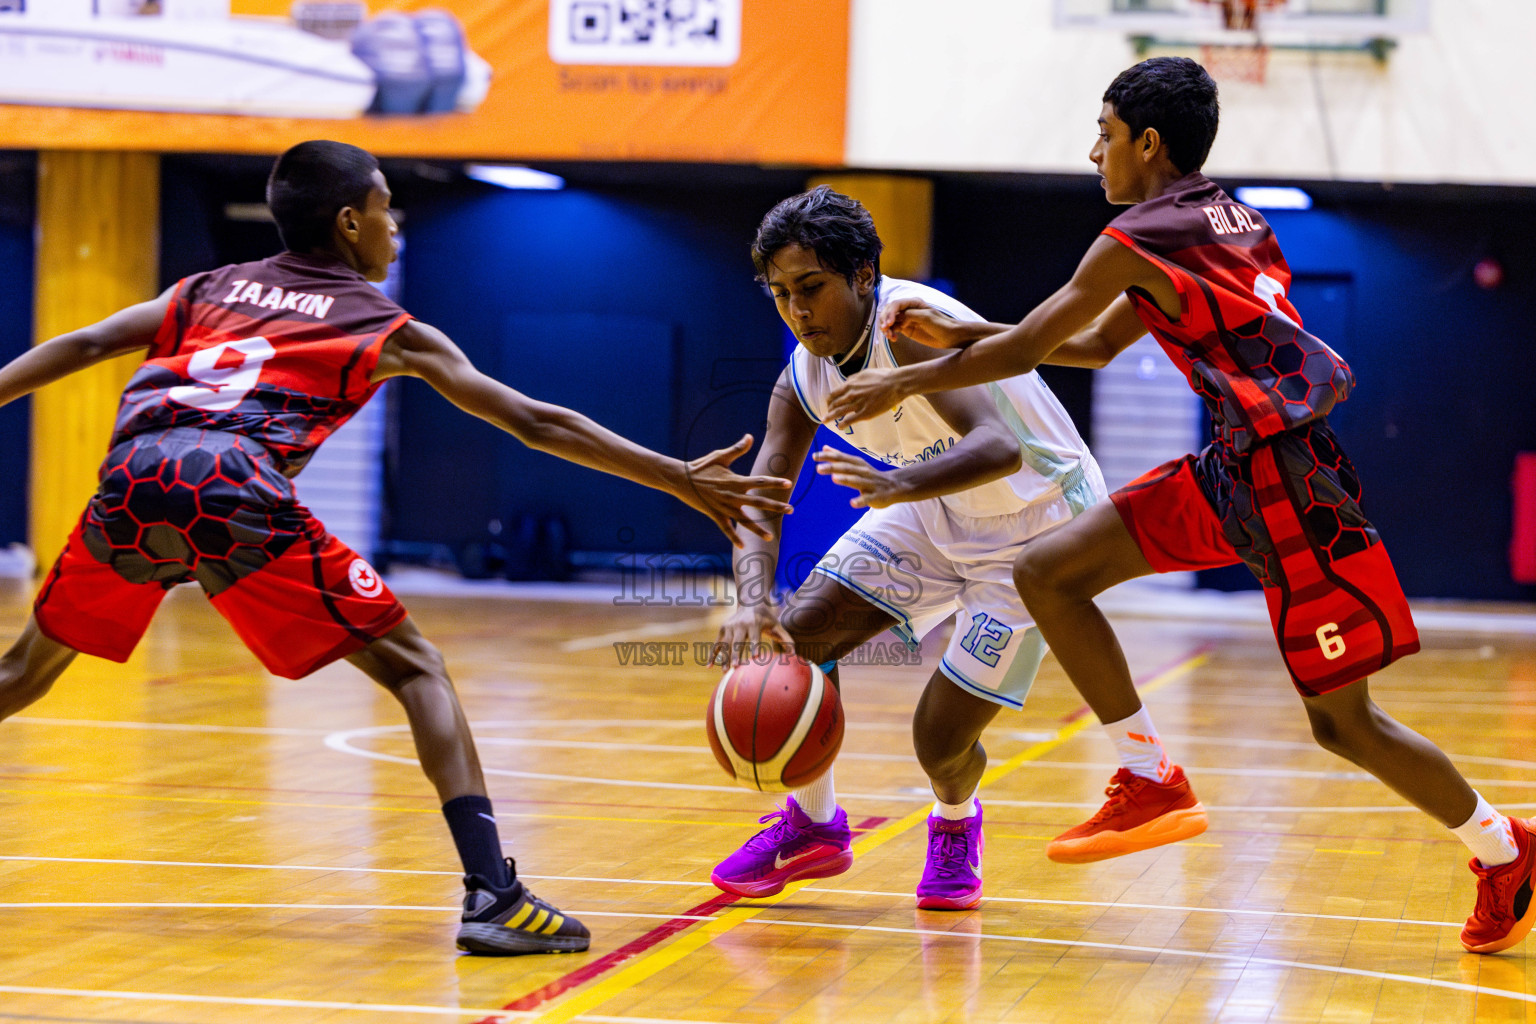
(480, 265)
(1445, 377)
(15, 337)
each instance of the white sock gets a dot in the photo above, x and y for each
(818, 800)
(1135, 740)
(1489, 835)
(956, 812)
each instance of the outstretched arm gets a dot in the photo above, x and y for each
(1116, 330)
(987, 449)
(1106, 271)
(123, 331)
(706, 483)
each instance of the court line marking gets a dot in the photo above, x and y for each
(904, 897)
(292, 1004)
(313, 1004)
(1224, 741)
(655, 629)
(341, 742)
(501, 1014)
(1160, 951)
(605, 989)
(1268, 773)
(247, 867)
(266, 730)
(689, 723)
(651, 882)
(95, 723)
(648, 748)
(635, 947)
(87, 794)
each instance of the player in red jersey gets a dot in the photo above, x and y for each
(1203, 274)
(249, 369)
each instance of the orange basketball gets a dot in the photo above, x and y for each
(775, 727)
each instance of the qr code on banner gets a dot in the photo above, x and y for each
(682, 33)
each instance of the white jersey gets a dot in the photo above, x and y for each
(1056, 461)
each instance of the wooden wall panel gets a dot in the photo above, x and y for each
(98, 229)
(903, 211)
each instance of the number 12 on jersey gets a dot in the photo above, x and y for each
(986, 639)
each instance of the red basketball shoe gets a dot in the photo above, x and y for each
(1139, 814)
(1505, 910)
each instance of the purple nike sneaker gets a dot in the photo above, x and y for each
(952, 878)
(792, 847)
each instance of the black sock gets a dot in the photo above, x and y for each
(474, 833)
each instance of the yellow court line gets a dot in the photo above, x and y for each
(1046, 839)
(608, 988)
(1353, 853)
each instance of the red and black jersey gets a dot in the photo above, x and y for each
(279, 351)
(1239, 341)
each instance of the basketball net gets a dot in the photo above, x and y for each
(1246, 58)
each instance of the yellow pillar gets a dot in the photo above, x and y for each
(98, 249)
(903, 211)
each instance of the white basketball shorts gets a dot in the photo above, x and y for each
(921, 563)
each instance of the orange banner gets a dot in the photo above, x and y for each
(741, 81)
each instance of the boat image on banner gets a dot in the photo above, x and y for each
(329, 60)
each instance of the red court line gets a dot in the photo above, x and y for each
(1181, 659)
(604, 964)
(657, 935)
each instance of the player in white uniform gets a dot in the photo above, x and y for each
(977, 472)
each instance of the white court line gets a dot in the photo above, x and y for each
(902, 896)
(646, 748)
(313, 1004)
(1251, 808)
(129, 905)
(242, 867)
(92, 723)
(1264, 773)
(689, 723)
(292, 1004)
(1152, 951)
(1160, 951)
(655, 629)
(341, 742)
(1224, 741)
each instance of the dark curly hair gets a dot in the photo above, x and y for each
(835, 227)
(310, 183)
(1175, 96)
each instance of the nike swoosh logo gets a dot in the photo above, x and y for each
(779, 863)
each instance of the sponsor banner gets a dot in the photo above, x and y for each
(709, 80)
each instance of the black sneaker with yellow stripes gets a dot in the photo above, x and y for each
(509, 921)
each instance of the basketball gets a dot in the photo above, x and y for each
(775, 727)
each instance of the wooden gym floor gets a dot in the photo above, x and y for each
(185, 839)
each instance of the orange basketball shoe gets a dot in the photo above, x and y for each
(1139, 814)
(1504, 910)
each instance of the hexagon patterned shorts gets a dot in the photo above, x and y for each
(1289, 510)
(187, 505)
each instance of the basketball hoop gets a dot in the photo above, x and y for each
(1245, 58)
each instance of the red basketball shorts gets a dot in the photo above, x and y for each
(317, 602)
(1290, 511)
(191, 505)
